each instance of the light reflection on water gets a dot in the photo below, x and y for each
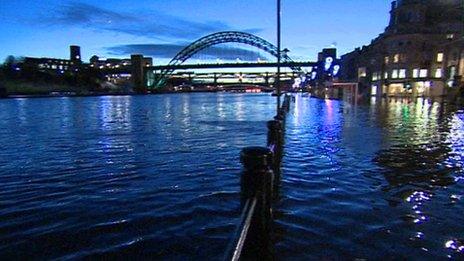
(362, 182)
(124, 176)
(157, 177)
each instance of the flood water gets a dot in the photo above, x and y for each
(158, 177)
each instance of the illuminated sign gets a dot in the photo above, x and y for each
(313, 75)
(336, 69)
(328, 63)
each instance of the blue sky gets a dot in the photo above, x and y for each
(159, 28)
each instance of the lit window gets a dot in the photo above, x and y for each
(396, 58)
(54, 66)
(385, 75)
(452, 72)
(439, 57)
(450, 36)
(423, 73)
(387, 59)
(395, 74)
(402, 74)
(438, 73)
(362, 72)
(375, 76)
(415, 73)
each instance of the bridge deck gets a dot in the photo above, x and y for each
(230, 65)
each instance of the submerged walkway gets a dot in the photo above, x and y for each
(375, 180)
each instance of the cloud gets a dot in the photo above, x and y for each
(142, 23)
(170, 50)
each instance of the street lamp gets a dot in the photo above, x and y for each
(278, 55)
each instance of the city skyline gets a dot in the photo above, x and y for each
(119, 28)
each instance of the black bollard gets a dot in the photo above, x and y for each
(257, 183)
(274, 132)
(275, 142)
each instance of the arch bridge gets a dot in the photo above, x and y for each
(158, 79)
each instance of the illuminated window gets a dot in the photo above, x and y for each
(362, 72)
(438, 73)
(376, 76)
(423, 73)
(450, 36)
(385, 75)
(452, 72)
(440, 57)
(402, 74)
(395, 74)
(415, 73)
(396, 58)
(54, 66)
(387, 59)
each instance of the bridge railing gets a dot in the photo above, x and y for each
(260, 182)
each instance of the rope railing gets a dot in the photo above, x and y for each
(259, 188)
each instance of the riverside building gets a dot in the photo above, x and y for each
(414, 56)
(56, 66)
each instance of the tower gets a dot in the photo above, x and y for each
(75, 53)
(137, 72)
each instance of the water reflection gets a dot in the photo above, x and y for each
(376, 178)
(423, 159)
(139, 176)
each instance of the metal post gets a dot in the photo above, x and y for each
(257, 184)
(275, 143)
(278, 55)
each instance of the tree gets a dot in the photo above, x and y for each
(9, 61)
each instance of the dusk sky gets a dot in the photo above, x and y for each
(159, 28)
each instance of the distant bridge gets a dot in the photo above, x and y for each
(158, 79)
(231, 65)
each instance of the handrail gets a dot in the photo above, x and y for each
(250, 209)
(259, 188)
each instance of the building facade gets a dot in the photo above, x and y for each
(56, 66)
(410, 58)
(453, 62)
(116, 63)
(114, 70)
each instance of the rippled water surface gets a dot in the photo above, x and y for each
(158, 177)
(375, 181)
(151, 176)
